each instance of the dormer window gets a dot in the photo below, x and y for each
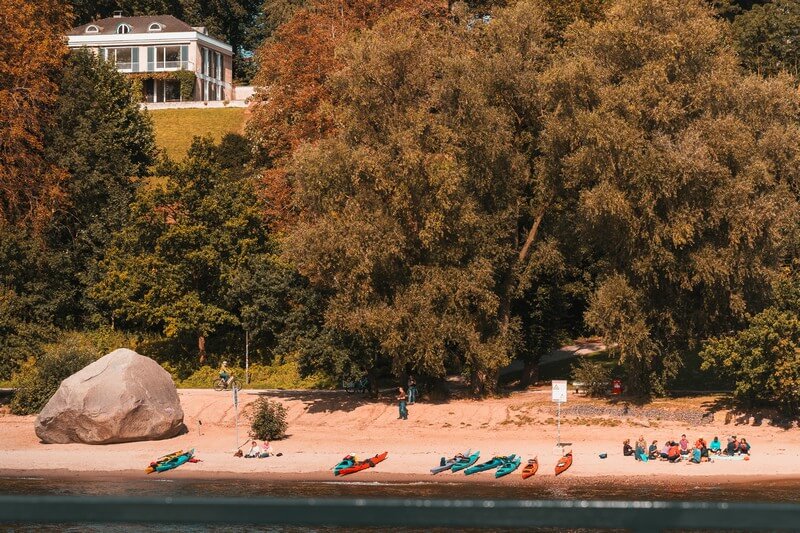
(92, 29)
(155, 26)
(123, 28)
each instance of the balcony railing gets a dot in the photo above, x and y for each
(171, 65)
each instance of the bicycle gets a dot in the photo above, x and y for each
(360, 385)
(219, 384)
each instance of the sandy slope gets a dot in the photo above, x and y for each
(324, 426)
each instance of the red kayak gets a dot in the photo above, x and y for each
(363, 465)
(564, 463)
(531, 468)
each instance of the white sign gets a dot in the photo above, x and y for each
(559, 390)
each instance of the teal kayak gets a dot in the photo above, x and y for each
(494, 462)
(174, 462)
(508, 467)
(466, 462)
(347, 462)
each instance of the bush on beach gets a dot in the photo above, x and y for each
(595, 376)
(269, 420)
(38, 379)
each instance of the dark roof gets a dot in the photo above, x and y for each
(108, 26)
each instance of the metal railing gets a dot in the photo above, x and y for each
(412, 513)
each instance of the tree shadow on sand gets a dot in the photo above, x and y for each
(753, 416)
(329, 401)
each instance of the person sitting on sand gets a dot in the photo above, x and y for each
(744, 447)
(665, 449)
(641, 448)
(627, 449)
(653, 450)
(674, 454)
(732, 446)
(266, 450)
(254, 451)
(716, 446)
(703, 447)
(695, 455)
(684, 445)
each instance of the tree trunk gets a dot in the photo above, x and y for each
(530, 373)
(372, 375)
(201, 348)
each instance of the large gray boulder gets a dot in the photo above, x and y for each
(121, 397)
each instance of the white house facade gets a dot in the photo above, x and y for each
(156, 49)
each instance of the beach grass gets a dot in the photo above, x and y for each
(175, 128)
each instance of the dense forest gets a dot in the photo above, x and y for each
(424, 187)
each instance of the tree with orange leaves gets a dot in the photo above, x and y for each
(32, 52)
(295, 65)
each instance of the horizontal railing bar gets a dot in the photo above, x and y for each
(642, 516)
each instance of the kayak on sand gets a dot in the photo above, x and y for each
(508, 466)
(447, 464)
(494, 462)
(466, 462)
(363, 465)
(564, 463)
(531, 468)
(347, 462)
(168, 462)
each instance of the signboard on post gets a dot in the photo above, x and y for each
(560, 390)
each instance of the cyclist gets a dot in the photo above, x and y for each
(224, 374)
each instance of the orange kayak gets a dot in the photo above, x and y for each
(531, 468)
(564, 463)
(363, 465)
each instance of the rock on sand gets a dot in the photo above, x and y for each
(121, 397)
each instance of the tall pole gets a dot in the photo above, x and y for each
(236, 412)
(246, 357)
(558, 425)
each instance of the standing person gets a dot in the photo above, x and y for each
(412, 390)
(401, 403)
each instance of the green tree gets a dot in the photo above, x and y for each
(767, 37)
(422, 214)
(685, 170)
(171, 265)
(763, 360)
(106, 144)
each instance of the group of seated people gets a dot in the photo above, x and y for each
(674, 452)
(257, 451)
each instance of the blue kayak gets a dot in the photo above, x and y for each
(174, 462)
(466, 462)
(494, 462)
(508, 467)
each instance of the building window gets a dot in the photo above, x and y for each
(92, 29)
(124, 58)
(123, 28)
(155, 26)
(168, 57)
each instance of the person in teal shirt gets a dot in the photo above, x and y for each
(715, 446)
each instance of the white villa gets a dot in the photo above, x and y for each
(155, 48)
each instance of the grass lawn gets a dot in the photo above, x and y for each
(175, 128)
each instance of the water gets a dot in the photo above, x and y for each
(695, 489)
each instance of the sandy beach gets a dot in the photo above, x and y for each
(326, 425)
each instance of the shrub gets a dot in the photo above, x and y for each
(39, 378)
(269, 420)
(762, 359)
(595, 376)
